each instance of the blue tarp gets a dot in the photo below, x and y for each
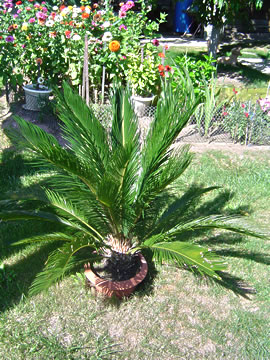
(181, 20)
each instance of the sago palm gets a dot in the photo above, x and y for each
(114, 193)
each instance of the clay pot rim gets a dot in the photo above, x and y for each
(98, 282)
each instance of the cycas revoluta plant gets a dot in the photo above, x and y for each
(113, 193)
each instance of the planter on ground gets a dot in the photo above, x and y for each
(141, 104)
(35, 98)
(117, 288)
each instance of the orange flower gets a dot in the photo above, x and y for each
(39, 61)
(168, 68)
(82, 8)
(114, 45)
(160, 68)
(85, 15)
(95, 5)
(161, 54)
(162, 74)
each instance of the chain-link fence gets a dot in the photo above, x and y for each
(250, 127)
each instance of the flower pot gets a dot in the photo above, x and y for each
(117, 288)
(35, 98)
(141, 104)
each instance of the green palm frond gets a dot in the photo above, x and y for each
(195, 257)
(223, 222)
(173, 113)
(178, 210)
(46, 238)
(45, 145)
(82, 128)
(59, 263)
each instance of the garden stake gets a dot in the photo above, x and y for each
(103, 84)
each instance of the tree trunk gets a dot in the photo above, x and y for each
(213, 33)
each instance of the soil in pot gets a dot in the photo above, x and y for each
(119, 267)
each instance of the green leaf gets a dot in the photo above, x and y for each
(195, 257)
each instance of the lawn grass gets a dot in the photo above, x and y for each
(173, 315)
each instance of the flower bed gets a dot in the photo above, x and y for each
(31, 30)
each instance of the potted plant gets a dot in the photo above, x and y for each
(144, 79)
(114, 198)
(36, 95)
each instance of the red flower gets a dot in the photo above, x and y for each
(243, 106)
(161, 54)
(162, 74)
(168, 68)
(85, 15)
(225, 113)
(18, 2)
(67, 33)
(234, 91)
(246, 114)
(160, 68)
(62, 7)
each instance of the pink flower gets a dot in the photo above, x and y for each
(23, 46)
(130, 4)
(225, 113)
(246, 114)
(41, 16)
(44, 9)
(122, 27)
(243, 106)
(155, 42)
(37, 6)
(27, 8)
(124, 8)
(19, 11)
(122, 14)
(31, 20)
(15, 16)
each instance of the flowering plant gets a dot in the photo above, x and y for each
(33, 30)
(247, 122)
(145, 69)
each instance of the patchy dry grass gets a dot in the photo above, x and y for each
(174, 315)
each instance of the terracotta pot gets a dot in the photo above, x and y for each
(117, 288)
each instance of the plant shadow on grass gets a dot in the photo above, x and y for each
(249, 75)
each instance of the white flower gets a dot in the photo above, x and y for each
(74, 15)
(55, 8)
(107, 36)
(49, 23)
(76, 37)
(77, 10)
(57, 18)
(65, 11)
(87, 10)
(106, 24)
